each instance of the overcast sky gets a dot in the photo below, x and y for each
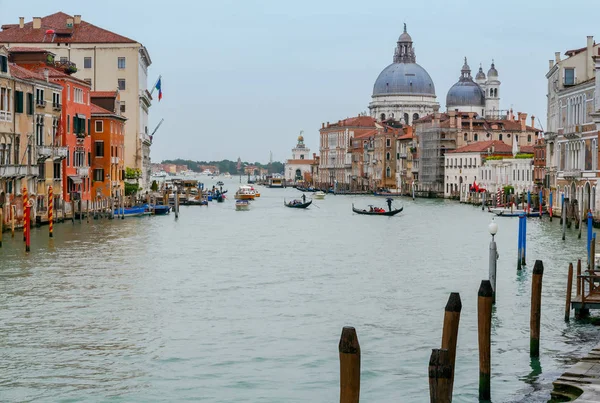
(242, 78)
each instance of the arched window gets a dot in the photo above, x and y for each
(406, 118)
(415, 116)
(466, 137)
(388, 172)
(383, 116)
(298, 174)
(443, 135)
(500, 137)
(387, 156)
(475, 137)
(529, 138)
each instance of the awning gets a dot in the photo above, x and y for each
(75, 178)
(81, 116)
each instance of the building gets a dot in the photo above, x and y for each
(335, 164)
(406, 150)
(518, 173)
(108, 139)
(539, 164)
(403, 91)
(572, 132)
(106, 61)
(480, 96)
(440, 133)
(298, 167)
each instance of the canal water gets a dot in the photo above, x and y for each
(228, 306)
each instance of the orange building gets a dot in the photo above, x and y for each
(108, 144)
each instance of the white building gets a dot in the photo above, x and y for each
(479, 96)
(105, 60)
(299, 165)
(515, 172)
(404, 91)
(462, 166)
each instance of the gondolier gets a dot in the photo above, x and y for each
(303, 198)
(389, 203)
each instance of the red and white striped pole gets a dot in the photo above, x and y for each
(25, 213)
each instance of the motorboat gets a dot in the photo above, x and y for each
(242, 205)
(320, 195)
(245, 192)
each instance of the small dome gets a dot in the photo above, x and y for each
(405, 37)
(492, 72)
(465, 93)
(480, 74)
(404, 78)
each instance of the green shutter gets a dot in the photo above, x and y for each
(75, 124)
(3, 64)
(29, 103)
(19, 101)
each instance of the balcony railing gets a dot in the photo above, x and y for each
(18, 171)
(60, 153)
(40, 103)
(5, 116)
(84, 172)
(403, 155)
(572, 173)
(147, 139)
(44, 152)
(56, 106)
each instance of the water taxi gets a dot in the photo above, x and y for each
(276, 182)
(245, 192)
(320, 195)
(256, 192)
(242, 205)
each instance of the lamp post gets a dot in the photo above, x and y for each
(493, 228)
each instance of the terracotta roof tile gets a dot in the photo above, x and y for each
(98, 110)
(300, 162)
(500, 147)
(80, 33)
(24, 74)
(103, 94)
(526, 149)
(21, 49)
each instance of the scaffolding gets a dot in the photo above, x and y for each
(434, 141)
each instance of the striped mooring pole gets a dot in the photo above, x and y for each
(50, 212)
(25, 211)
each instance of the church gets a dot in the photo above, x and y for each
(404, 91)
(298, 167)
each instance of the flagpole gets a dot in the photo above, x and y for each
(154, 86)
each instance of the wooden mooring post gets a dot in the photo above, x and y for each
(569, 292)
(536, 309)
(50, 212)
(450, 334)
(1, 224)
(563, 215)
(440, 376)
(349, 350)
(484, 330)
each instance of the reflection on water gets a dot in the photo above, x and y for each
(227, 306)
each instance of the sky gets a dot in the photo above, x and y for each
(242, 78)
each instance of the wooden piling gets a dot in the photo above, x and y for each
(563, 217)
(450, 333)
(569, 292)
(1, 224)
(13, 217)
(349, 350)
(578, 282)
(484, 330)
(440, 374)
(536, 309)
(28, 228)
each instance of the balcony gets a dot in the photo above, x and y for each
(60, 153)
(5, 116)
(403, 155)
(40, 103)
(146, 139)
(79, 135)
(572, 174)
(44, 152)
(84, 172)
(18, 171)
(56, 106)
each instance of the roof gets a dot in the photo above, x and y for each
(300, 162)
(486, 124)
(357, 121)
(406, 136)
(103, 94)
(573, 52)
(100, 111)
(526, 149)
(24, 74)
(20, 49)
(500, 147)
(83, 32)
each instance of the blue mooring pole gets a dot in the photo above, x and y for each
(520, 243)
(528, 202)
(550, 205)
(541, 199)
(589, 238)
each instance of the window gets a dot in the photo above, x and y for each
(99, 175)
(3, 64)
(68, 157)
(388, 142)
(415, 116)
(99, 126)
(39, 130)
(121, 84)
(569, 76)
(121, 62)
(475, 137)
(78, 158)
(29, 103)
(387, 156)
(122, 106)
(529, 138)
(39, 97)
(99, 148)
(55, 100)
(68, 123)
(500, 137)
(68, 92)
(18, 101)
(87, 62)
(466, 136)
(56, 174)
(5, 104)
(388, 172)
(302, 157)
(78, 95)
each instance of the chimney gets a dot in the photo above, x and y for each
(589, 65)
(452, 115)
(471, 121)
(327, 124)
(532, 121)
(523, 121)
(69, 22)
(323, 125)
(458, 120)
(77, 19)
(550, 64)
(557, 57)
(37, 22)
(46, 75)
(21, 22)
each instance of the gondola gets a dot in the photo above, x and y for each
(385, 213)
(299, 205)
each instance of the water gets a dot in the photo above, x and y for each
(227, 306)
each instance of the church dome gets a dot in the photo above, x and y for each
(480, 74)
(404, 79)
(465, 92)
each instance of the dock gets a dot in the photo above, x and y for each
(581, 382)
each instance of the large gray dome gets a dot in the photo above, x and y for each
(404, 79)
(465, 93)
